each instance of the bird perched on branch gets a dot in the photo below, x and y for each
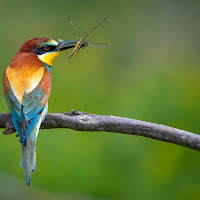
(27, 86)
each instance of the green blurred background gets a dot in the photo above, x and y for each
(150, 72)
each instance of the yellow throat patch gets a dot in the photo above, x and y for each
(48, 58)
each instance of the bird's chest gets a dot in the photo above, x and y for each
(24, 79)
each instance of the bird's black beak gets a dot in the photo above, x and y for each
(63, 45)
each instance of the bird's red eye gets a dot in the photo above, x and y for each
(46, 48)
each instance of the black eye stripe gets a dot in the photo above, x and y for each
(44, 49)
(49, 47)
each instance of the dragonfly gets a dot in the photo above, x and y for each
(82, 42)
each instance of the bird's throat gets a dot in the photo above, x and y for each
(48, 58)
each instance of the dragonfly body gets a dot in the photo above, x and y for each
(80, 42)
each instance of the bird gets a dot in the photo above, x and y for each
(27, 87)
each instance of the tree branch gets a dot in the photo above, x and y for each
(81, 121)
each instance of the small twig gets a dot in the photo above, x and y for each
(81, 121)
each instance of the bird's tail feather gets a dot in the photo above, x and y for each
(28, 157)
(28, 179)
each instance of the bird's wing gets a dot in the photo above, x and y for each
(15, 107)
(26, 114)
(32, 109)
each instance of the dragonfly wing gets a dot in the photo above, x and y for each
(96, 45)
(97, 27)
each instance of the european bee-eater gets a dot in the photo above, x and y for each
(27, 86)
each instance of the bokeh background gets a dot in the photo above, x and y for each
(151, 72)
